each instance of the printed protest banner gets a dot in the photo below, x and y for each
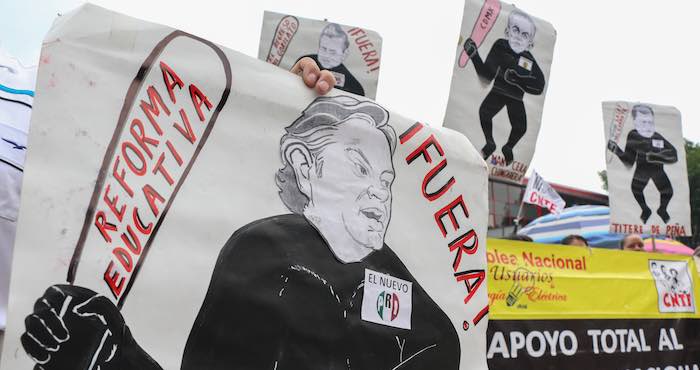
(564, 307)
(647, 172)
(177, 214)
(499, 83)
(540, 193)
(352, 54)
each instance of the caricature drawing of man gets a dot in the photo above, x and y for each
(333, 48)
(286, 291)
(514, 72)
(650, 151)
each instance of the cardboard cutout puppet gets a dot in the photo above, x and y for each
(650, 151)
(645, 146)
(280, 280)
(499, 80)
(515, 72)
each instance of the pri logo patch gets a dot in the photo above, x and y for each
(387, 300)
(673, 285)
(388, 306)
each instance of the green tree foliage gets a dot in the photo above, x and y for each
(692, 154)
(604, 178)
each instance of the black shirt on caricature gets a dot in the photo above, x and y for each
(501, 57)
(344, 79)
(279, 299)
(650, 154)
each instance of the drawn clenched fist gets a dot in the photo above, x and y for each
(74, 328)
(613, 147)
(470, 47)
(512, 77)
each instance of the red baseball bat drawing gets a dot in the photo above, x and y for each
(168, 113)
(616, 125)
(286, 29)
(482, 26)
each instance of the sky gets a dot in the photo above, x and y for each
(606, 50)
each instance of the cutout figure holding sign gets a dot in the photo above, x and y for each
(650, 151)
(515, 72)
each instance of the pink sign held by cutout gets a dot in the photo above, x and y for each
(482, 26)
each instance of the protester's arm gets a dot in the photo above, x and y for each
(322, 81)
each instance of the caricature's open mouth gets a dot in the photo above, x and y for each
(374, 214)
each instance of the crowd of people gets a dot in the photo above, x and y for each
(630, 242)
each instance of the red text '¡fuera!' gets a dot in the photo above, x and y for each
(451, 214)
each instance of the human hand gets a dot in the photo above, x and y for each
(470, 47)
(313, 76)
(73, 328)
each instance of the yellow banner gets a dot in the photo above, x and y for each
(545, 281)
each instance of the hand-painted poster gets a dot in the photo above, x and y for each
(177, 215)
(647, 172)
(352, 54)
(499, 83)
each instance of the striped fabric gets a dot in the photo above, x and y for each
(591, 222)
(16, 99)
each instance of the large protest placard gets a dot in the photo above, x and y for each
(564, 307)
(351, 53)
(188, 207)
(647, 172)
(499, 83)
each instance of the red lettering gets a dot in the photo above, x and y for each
(199, 99)
(187, 131)
(113, 280)
(448, 210)
(124, 258)
(174, 152)
(461, 246)
(112, 204)
(139, 224)
(152, 109)
(121, 178)
(356, 31)
(102, 225)
(429, 177)
(133, 244)
(141, 137)
(423, 150)
(168, 74)
(159, 168)
(151, 196)
(408, 134)
(473, 280)
(129, 162)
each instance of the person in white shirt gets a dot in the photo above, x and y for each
(16, 98)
